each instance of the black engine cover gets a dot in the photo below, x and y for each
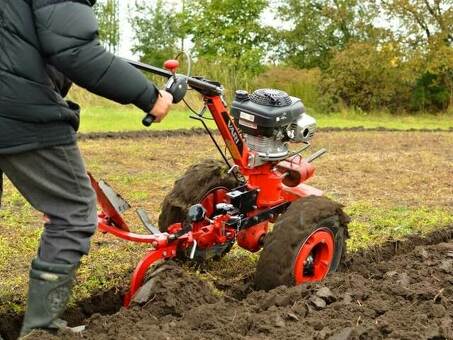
(261, 112)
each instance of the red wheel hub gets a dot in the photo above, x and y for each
(212, 198)
(314, 257)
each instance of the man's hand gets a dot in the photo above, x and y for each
(162, 106)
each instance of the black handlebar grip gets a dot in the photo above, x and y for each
(148, 120)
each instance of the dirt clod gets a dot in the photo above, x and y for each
(344, 334)
(318, 302)
(446, 266)
(404, 280)
(326, 294)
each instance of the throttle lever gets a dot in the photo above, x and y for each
(176, 86)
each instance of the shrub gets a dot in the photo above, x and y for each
(434, 87)
(369, 77)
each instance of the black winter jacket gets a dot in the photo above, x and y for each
(64, 34)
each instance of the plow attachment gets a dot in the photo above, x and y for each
(110, 221)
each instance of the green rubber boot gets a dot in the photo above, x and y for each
(49, 290)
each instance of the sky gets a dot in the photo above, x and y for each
(127, 35)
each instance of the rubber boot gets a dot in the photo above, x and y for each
(49, 290)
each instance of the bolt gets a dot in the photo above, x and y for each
(164, 253)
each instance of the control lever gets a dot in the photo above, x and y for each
(193, 250)
(196, 213)
(176, 86)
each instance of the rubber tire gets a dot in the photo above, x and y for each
(276, 263)
(190, 189)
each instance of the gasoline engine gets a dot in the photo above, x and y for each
(269, 119)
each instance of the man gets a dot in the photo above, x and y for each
(43, 43)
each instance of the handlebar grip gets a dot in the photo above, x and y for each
(148, 120)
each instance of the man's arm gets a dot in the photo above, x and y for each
(68, 33)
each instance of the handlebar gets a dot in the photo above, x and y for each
(201, 85)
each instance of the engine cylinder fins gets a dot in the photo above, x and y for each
(271, 97)
(267, 148)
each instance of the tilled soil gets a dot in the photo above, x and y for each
(388, 170)
(398, 291)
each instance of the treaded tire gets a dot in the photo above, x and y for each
(276, 264)
(190, 189)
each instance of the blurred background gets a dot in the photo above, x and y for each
(385, 57)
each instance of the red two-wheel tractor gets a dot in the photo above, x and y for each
(218, 203)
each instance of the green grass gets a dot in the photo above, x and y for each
(127, 118)
(371, 224)
(386, 120)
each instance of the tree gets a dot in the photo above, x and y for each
(107, 12)
(426, 27)
(423, 20)
(156, 31)
(320, 27)
(227, 31)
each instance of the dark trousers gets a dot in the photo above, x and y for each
(54, 181)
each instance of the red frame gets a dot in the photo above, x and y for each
(268, 178)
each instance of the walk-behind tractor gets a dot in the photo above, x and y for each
(219, 203)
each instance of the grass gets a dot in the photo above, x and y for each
(128, 118)
(386, 120)
(373, 225)
(392, 184)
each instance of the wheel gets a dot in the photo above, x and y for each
(307, 242)
(206, 183)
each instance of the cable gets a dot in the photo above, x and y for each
(189, 71)
(189, 61)
(190, 108)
